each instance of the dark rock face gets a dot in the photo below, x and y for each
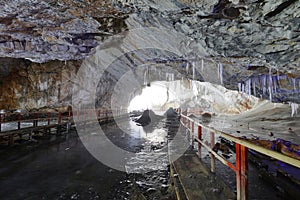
(49, 30)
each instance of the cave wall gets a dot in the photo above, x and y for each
(27, 85)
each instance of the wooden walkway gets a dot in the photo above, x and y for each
(196, 180)
(44, 123)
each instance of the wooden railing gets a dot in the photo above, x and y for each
(241, 146)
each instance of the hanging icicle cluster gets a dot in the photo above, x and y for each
(169, 77)
(268, 86)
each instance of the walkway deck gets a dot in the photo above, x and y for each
(197, 181)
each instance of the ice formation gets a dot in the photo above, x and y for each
(294, 107)
(220, 71)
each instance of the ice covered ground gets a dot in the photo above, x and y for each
(233, 112)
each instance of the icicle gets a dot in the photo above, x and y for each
(173, 78)
(220, 72)
(145, 78)
(264, 83)
(202, 65)
(294, 83)
(270, 93)
(249, 87)
(253, 86)
(275, 83)
(193, 66)
(243, 89)
(240, 87)
(270, 87)
(294, 107)
(187, 68)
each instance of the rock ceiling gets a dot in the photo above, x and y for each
(250, 38)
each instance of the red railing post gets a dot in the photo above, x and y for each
(212, 157)
(200, 138)
(193, 139)
(19, 121)
(238, 170)
(244, 173)
(59, 117)
(49, 116)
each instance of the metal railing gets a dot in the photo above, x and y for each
(241, 146)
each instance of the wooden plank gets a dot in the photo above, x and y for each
(198, 182)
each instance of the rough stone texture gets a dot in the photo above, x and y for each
(49, 30)
(32, 85)
(248, 38)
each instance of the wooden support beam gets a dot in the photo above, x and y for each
(199, 138)
(212, 157)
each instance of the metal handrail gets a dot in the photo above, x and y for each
(242, 145)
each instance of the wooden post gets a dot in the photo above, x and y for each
(49, 116)
(0, 121)
(200, 138)
(35, 121)
(59, 117)
(11, 140)
(193, 139)
(19, 121)
(212, 157)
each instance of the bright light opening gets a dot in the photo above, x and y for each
(153, 97)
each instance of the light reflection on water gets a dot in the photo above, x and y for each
(153, 155)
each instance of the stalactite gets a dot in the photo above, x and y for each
(240, 87)
(264, 84)
(294, 83)
(220, 72)
(275, 83)
(243, 89)
(294, 107)
(193, 66)
(187, 68)
(249, 87)
(254, 86)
